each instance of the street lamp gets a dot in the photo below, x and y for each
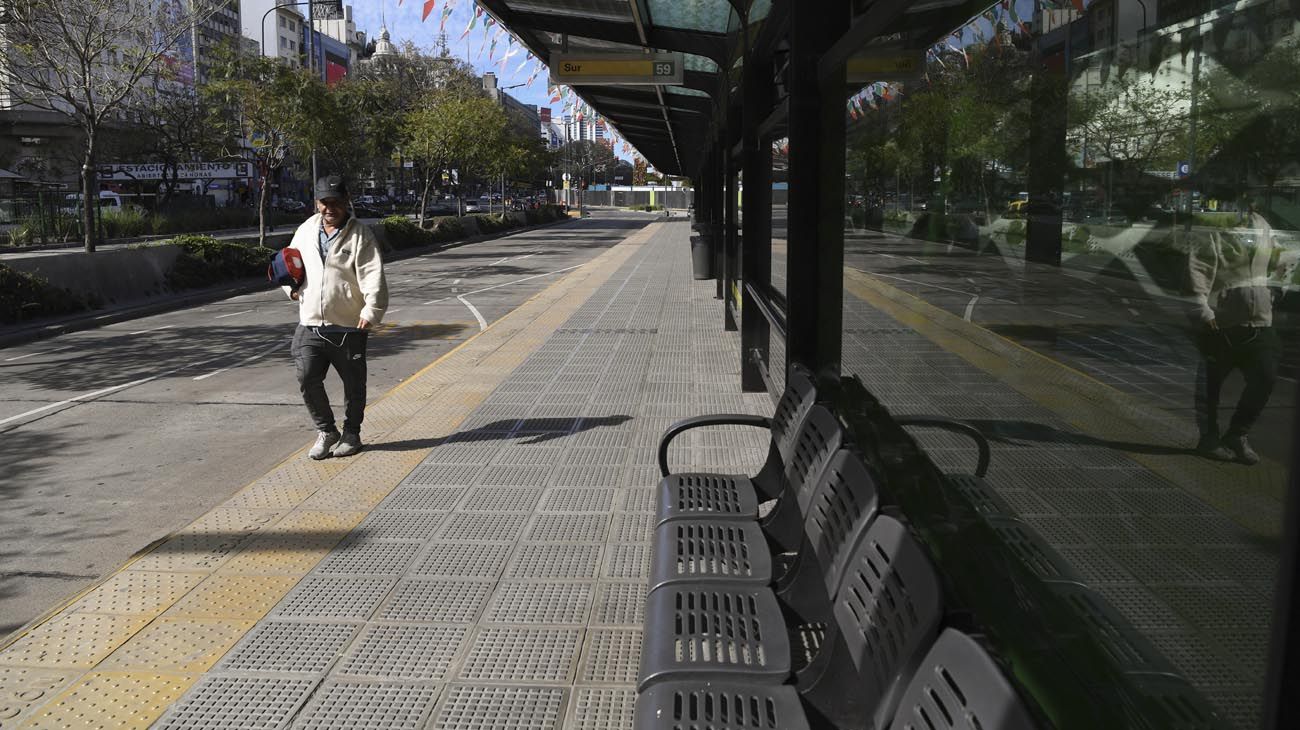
(311, 61)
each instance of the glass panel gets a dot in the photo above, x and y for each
(706, 15)
(780, 198)
(616, 10)
(694, 62)
(1078, 231)
(685, 91)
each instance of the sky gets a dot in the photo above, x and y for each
(403, 21)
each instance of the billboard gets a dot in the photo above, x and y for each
(544, 113)
(184, 171)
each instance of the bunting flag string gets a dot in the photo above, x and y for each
(428, 8)
(473, 20)
(446, 13)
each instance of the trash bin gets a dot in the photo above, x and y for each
(701, 258)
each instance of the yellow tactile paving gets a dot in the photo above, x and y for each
(72, 640)
(215, 578)
(1250, 497)
(24, 688)
(178, 645)
(111, 700)
(233, 597)
(132, 592)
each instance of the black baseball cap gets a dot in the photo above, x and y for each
(331, 186)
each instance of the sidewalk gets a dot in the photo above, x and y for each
(481, 564)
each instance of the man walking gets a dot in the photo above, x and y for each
(1229, 273)
(343, 296)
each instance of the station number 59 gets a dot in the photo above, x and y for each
(663, 68)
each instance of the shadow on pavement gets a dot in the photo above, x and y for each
(539, 429)
(1017, 432)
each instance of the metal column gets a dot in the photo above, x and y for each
(756, 253)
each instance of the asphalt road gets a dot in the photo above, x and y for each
(117, 436)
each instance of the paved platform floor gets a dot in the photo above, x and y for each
(480, 565)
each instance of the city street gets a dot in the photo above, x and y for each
(119, 435)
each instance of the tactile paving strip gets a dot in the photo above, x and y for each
(634, 527)
(24, 688)
(402, 651)
(573, 499)
(436, 601)
(137, 592)
(247, 703)
(428, 499)
(639, 500)
(352, 597)
(197, 552)
(377, 557)
(500, 499)
(620, 604)
(287, 646)
(350, 705)
(178, 645)
(612, 656)
(469, 707)
(384, 525)
(463, 560)
(601, 708)
(111, 699)
(539, 603)
(567, 528)
(547, 560)
(72, 640)
(522, 655)
(445, 475)
(233, 596)
(514, 476)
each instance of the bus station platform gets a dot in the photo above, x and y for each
(482, 563)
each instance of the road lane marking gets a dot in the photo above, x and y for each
(394, 311)
(152, 329)
(482, 323)
(1065, 314)
(970, 307)
(34, 354)
(508, 283)
(233, 314)
(245, 361)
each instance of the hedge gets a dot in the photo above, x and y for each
(400, 232)
(204, 261)
(132, 223)
(26, 296)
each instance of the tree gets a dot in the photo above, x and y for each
(85, 58)
(277, 110)
(172, 123)
(638, 172)
(448, 127)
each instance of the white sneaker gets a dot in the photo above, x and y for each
(348, 445)
(324, 441)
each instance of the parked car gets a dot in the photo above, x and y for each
(289, 205)
(441, 206)
(476, 205)
(108, 200)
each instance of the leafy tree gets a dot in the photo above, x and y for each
(638, 172)
(451, 127)
(267, 110)
(84, 59)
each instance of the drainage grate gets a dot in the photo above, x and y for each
(405, 652)
(469, 707)
(444, 475)
(367, 706)
(482, 527)
(436, 601)
(634, 528)
(370, 556)
(522, 655)
(334, 597)
(539, 603)
(574, 499)
(463, 560)
(284, 646)
(587, 476)
(248, 703)
(620, 604)
(400, 525)
(568, 528)
(554, 561)
(602, 708)
(501, 499)
(422, 498)
(612, 656)
(628, 561)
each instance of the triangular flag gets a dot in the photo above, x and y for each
(428, 8)
(446, 13)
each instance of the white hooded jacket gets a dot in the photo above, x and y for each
(346, 287)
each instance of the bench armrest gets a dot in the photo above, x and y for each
(721, 419)
(948, 424)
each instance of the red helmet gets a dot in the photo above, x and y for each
(286, 268)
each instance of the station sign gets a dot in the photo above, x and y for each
(184, 171)
(887, 66)
(625, 69)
